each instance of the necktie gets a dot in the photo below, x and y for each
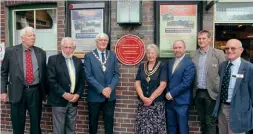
(175, 65)
(225, 83)
(103, 57)
(72, 77)
(29, 67)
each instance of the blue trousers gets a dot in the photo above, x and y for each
(177, 118)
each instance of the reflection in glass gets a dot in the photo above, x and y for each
(44, 23)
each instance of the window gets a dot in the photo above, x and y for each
(42, 17)
(44, 23)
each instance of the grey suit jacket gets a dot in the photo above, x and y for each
(12, 72)
(241, 107)
(214, 59)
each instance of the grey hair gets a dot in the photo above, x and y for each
(179, 41)
(67, 38)
(154, 46)
(101, 35)
(25, 29)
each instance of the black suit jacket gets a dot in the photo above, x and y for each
(12, 72)
(59, 80)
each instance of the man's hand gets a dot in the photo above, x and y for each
(107, 92)
(75, 98)
(4, 97)
(168, 96)
(68, 96)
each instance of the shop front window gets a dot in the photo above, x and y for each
(44, 23)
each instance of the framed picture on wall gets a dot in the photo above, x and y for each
(84, 21)
(176, 21)
(85, 25)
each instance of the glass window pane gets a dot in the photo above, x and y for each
(45, 27)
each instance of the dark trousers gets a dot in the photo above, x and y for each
(204, 106)
(31, 101)
(108, 113)
(177, 118)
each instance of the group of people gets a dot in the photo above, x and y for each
(220, 85)
(30, 80)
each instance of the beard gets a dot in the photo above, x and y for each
(66, 56)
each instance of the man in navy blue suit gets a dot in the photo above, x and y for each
(234, 105)
(102, 75)
(181, 71)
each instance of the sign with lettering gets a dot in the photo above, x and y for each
(130, 49)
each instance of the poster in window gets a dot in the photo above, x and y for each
(177, 22)
(85, 25)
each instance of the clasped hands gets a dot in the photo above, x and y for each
(107, 92)
(147, 101)
(71, 97)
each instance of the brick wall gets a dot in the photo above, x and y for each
(125, 111)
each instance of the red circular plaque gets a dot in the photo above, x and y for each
(130, 49)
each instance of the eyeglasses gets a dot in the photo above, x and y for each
(232, 48)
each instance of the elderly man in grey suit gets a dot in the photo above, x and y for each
(207, 61)
(24, 73)
(234, 103)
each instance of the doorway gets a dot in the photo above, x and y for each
(241, 31)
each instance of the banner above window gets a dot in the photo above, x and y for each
(227, 11)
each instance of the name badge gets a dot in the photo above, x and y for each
(238, 75)
(214, 65)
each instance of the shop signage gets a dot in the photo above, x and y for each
(130, 49)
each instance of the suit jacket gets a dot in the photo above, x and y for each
(97, 80)
(180, 82)
(59, 79)
(12, 72)
(241, 106)
(214, 59)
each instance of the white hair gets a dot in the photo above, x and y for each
(67, 38)
(102, 35)
(26, 29)
(154, 46)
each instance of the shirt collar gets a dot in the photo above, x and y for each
(24, 48)
(101, 51)
(236, 61)
(202, 52)
(180, 58)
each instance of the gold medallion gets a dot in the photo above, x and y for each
(103, 68)
(148, 79)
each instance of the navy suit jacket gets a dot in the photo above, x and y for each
(180, 82)
(97, 80)
(241, 111)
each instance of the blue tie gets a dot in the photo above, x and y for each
(103, 57)
(225, 83)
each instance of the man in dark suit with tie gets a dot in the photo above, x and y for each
(181, 71)
(102, 76)
(234, 105)
(23, 72)
(66, 81)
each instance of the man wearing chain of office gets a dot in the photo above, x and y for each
(102, 75)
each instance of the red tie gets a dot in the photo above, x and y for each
(29, 67)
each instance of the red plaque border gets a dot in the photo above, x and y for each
(138, 58)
